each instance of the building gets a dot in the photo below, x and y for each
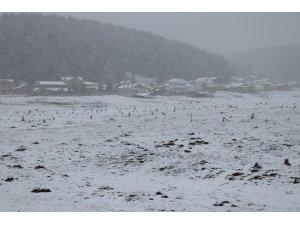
(140, 79)
(131, 89)
(75, 84)
(91, 87)
(67, 79)
(235, 79)
(281, 86)
(7, 86)
(258, 87)
(50, 87)
(198, 84)
(238, 87)
(205, 83)
(177, 85)
(23, 88)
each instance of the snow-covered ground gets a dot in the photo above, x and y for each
(112, 153)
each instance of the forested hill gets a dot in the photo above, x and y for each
(47, 47)
(278, 62)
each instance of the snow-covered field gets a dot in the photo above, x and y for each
(112, 153)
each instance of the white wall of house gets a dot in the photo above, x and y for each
(131, 89)
(209, 83)
(177, 85)
(198, 85)
(137, 89)
(203, 82)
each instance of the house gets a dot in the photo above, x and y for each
(258, 87)
(205, 83)
(67, 79)
(140, 79)
(122, 84)
(245, 87)
(176, 85)
(75, 84)
(281, 86)
(190, 87)
(7, 86)
(292, 84)
(268, 86)
(160, 90)
(266, 83)
(91, 87)
(23, 88)
(50, 87)
(131, 89)
(235, 79)
(198, 84)
(238, 87)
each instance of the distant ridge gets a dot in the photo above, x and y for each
(278, 62)
(47, 47)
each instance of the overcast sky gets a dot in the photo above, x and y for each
(223, 33)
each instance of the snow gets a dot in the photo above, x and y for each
(52, 83)
(21, 85)
(8, 80)
(113, 153)
(203, 79)
(90, 83)
(177, 80)
(70, 78)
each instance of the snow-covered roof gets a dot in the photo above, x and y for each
(264, 83)
(126, 82)
(235, 85)
(21, 85)
(205, 78)
(8, 80)
(279, 84)
(90, 83)
(51, 83)
(177, 80)
(70, 78)
(130, 85)
(125, 86)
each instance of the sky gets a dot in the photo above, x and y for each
(223, 33)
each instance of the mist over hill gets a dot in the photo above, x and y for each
(279, 62)
(47, 47)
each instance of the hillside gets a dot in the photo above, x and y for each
(279, 62)
(39, 47)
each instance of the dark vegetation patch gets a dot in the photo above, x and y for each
(21, 149)
(40, 190)
(9, 179)
(39, 167)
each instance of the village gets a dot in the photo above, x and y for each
(142, 87)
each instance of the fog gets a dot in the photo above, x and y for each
(96, 117)
(223, 33)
